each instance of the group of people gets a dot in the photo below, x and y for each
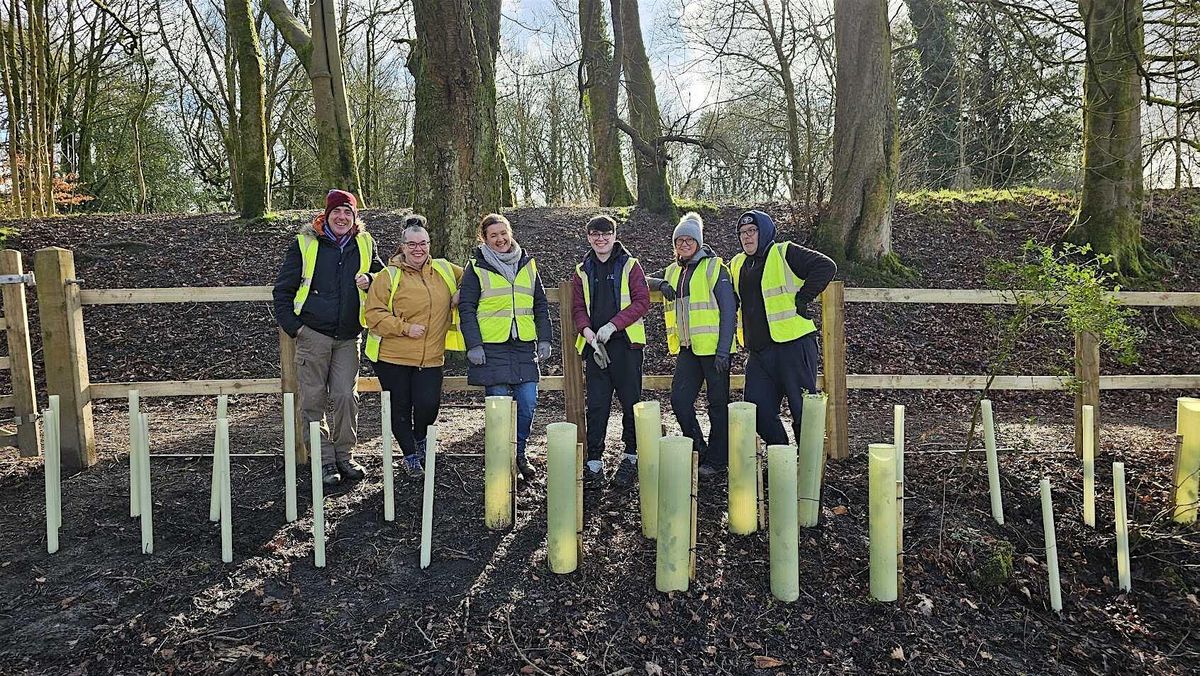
(332, 285)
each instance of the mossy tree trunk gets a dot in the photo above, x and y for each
(866, 147)
(650, 159)
(1110, 206)
(600, 83)
(253, 178)
(320, 53)
(460, 169)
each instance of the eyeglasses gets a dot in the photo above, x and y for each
(746, 232)
(600, 235)
(417, 245)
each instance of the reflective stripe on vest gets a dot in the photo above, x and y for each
(308, 255)
(779, 287)
(704, 315)
(501, 303)
(454, 338)
(636, 332)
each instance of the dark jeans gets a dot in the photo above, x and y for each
(623, 377)
(692, 371)
(777, 371)
(526, 396)
(416, 395)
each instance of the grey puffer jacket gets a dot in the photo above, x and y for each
(512, 362)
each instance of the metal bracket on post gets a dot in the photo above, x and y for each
(27, 279)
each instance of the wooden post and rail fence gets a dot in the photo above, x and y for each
(61, 302)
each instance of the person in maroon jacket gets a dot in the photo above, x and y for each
(610, 292)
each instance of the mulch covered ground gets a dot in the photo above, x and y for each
(489, 604)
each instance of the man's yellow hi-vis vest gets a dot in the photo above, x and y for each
(779, 287)
(502, 303)
(454, 336)
(308, 255)
(636, 332)
(704, 316)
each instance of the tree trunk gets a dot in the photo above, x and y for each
(1110, 207)
(252, 174)
(653, 192)
(601, 79)
(460, 172)
(866, 148)
(321, 55)
(933, 22)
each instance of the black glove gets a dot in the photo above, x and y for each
(802, 307)
(722, 363)
(667, 292)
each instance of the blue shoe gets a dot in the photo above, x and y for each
(412, 465)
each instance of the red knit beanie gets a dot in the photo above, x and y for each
(340, 198)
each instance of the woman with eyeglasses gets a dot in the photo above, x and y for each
(412, 321)
(506, 324)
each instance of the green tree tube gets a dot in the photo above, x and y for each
(782, 526)
(647, 418)
(431, 453)
(318, 494)
(1187, 468)
(389, 489)
(562, 547)
(1089, 466)
(743, 468)
(497, 463)
(50, 458)
(674, 513)
(146, 499)
(1051, 547)
(214, 494)
(225, 490)
(882, 518)
(289, 456)
(993, 463)
(1121, 522)
(134, 492)
(811, 462)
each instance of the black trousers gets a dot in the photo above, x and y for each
(692, 371)
(777, 371)
(416, 395)
(622, 377)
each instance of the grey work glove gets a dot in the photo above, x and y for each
(543, 350)
(606, 332)
(600, 354)
(476, 356)
(666, 290)
(722, 363)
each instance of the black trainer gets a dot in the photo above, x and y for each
(626, 473)
(592, 478)
(351, 470)
(525, 471)
(330, 476)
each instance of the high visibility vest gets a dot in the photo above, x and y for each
(308, 255)
(454, 337)
(636, 332)
(502, 303)
(779, 287)
(704, 316)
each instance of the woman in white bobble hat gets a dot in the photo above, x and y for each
(700, 311)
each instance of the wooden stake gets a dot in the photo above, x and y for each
(513, 465)
(289, 381)
(833, 343)
(214, 494)
(1087, 373)
(762, 493)
(573, 390)
(16, 318)
(695, 524)
(579, 463)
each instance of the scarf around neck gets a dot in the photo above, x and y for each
(506, 264)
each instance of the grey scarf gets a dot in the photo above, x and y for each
(504, 263)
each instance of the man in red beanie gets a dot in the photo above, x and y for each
(320, 293)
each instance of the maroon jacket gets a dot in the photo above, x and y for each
(638, 291)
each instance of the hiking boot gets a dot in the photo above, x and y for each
(351, 470)
(411, 464)
(330, 476)
(525, 471)
(626, 474)
(593, 475)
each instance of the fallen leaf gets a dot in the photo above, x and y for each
(898, 653)
(652, 669)
(765, 662)
(841, 510)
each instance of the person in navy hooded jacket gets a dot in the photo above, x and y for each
(776, 282)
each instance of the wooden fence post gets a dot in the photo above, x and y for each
(289, 381)
(64, 349)
(1087, 376)
(833, 344)
(573, 395)
(16, 319)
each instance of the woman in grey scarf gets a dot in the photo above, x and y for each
(505, 321)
